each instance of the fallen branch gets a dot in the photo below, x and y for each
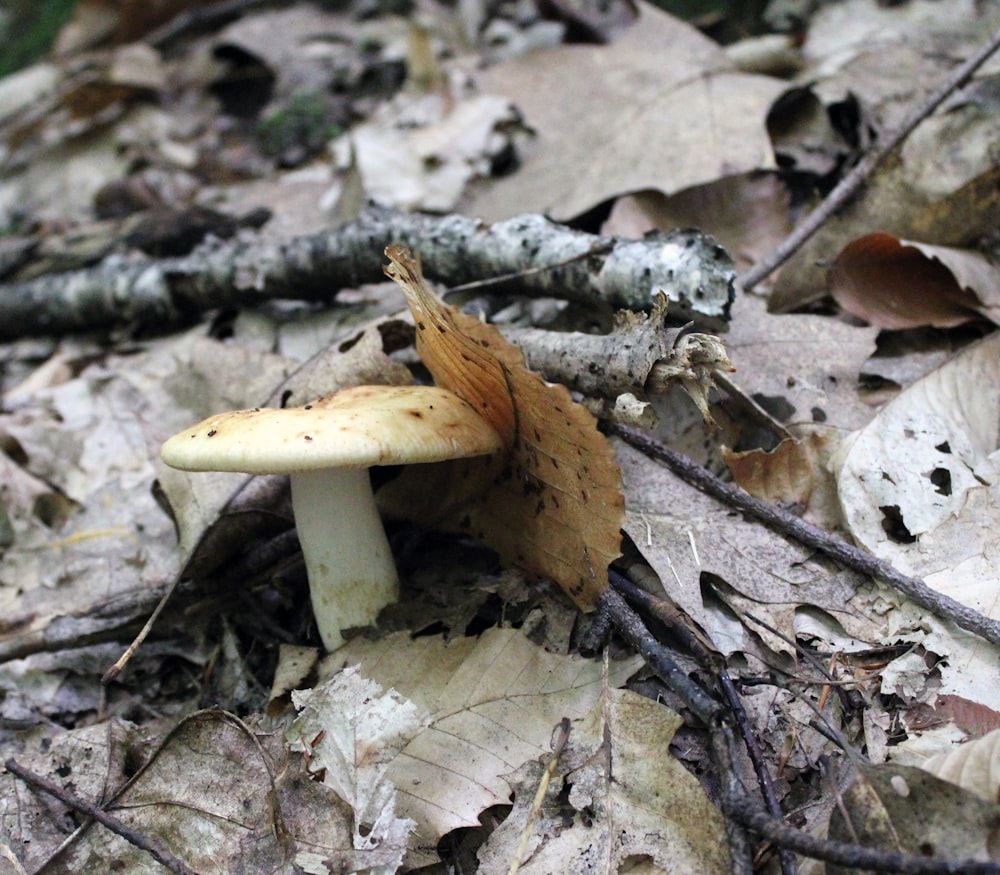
(694, 272)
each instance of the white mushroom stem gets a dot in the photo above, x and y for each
(351, 572)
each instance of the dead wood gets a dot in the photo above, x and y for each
(694, 272)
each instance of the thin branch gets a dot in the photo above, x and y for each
(764, 781)
(630, 626)
(543, 787)
(850, 184)
(119, 666)
(150, 846)
(792, 526)
(698, 643)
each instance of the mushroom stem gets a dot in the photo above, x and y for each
(350, 567)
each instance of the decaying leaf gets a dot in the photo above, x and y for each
(492, 702)
(213, 790)
(554, 504)
(659, 68)
(621, 804)
(918, 487)
(901, 808)
(793, 473)
(351, 731)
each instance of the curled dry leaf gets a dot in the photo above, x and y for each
(552, 503)
(794, 473)
(898, 284)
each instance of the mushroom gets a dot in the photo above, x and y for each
(327, 447)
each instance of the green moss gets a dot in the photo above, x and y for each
(28, 28)
(300, 129)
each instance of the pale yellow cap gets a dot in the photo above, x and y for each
(354, 428)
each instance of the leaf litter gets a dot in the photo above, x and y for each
(912, 479)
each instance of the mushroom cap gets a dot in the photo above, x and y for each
(353, 428)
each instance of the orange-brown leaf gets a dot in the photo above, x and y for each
(553, 502)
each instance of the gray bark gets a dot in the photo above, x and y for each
(694, 272)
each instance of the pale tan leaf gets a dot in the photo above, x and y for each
(974, 765)
(492, 703)
(597, 113)
(351, 732)
(554, 505)
(918, 486)
(615, 792)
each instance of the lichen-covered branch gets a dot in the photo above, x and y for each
(694, 272)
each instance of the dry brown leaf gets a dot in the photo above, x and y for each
(896, 284)
(794, 472)
(660, 108)
(554, 507)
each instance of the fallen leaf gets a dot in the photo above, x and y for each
(940, 185)
(918, 487)
(902, 808)
(212, 790)
(975, 766)
(899, 284)
(793, 473)
(351, 732)
(554, 507)
(716, 565)
(623, 804)
(661, 107)
(491, 704)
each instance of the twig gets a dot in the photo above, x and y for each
(855, 856)
(697, 642)
(693, 271)
(680, 625)
(119, 666)
(630, 626)
(850, 184)
(786, 858)
(150, 846)
(788, 524)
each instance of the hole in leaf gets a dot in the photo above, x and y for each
(941, 478)
(943, 447)
(893, 525)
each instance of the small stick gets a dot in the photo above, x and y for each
(150, 846)
(790, 525)
(850, 184)
(764, 781)
(630, 626)
(123, 660)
